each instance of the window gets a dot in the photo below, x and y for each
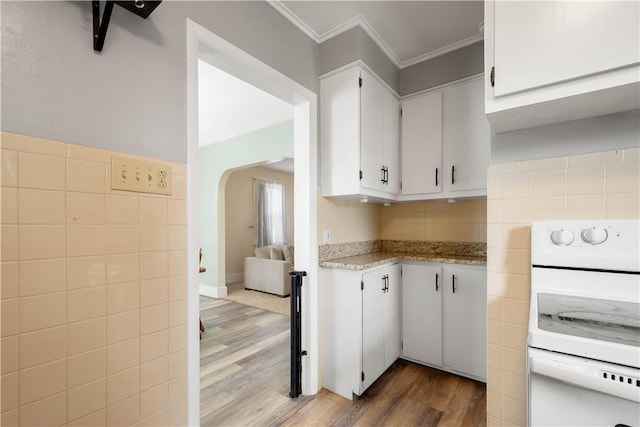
(269, 208)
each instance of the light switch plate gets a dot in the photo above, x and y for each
(326, 236)
(131, 174)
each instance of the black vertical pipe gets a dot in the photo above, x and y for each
(296, 333)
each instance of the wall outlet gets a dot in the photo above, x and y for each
(131, 174)
(326, 236)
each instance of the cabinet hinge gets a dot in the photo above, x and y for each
(359, 81)
(360, 174)
(362, 376)
(362, 285)
(493, 76)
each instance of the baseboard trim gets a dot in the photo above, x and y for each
(234, 278)
(213, 292)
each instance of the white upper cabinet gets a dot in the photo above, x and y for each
(467, 136)
(360, 132)
(392, 142)
(422, 144)
(371, 133)
(556, 61)
(446, 142)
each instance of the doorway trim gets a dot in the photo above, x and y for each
(304, 101)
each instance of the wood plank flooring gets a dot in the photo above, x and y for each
(244, 381)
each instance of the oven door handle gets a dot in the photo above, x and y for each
(581, 374)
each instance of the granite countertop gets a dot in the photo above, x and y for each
(374, 259)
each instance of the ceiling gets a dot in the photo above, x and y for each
(229, 107)
(284, 165)
(407, 31)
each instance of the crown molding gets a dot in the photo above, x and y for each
(445, 49)
(345, 26)
(364, 24)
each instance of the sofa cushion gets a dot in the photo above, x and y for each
(287, 252)
(275, 252)
(263, 252)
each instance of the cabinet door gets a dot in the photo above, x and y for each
(372, 95)
(467, 136)
(468, 320)
(392, 142)
(392, 336)
(422, 313)
(340, 125)
(538, 43)
(422, 144)
(373, 305)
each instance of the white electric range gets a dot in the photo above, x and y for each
(583, 357)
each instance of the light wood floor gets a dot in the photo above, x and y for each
(244, 381)
(237, 293)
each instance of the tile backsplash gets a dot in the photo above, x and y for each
(435, 220)
(601, 185)
(348, 219)
(93, 291)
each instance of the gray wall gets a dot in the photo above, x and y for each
(452, 66)
(132, 96)
(576, 137)
(353, 45)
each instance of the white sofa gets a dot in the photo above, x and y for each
(266, 274)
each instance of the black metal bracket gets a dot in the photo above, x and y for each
(100, 27)
(142, 8)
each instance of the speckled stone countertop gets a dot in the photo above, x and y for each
(371, 255)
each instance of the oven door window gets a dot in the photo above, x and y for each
(598, 319)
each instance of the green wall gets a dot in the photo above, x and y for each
(216, 162)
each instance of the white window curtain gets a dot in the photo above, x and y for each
(269, 212)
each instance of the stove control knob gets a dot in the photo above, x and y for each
(594, 235)
(562, 237)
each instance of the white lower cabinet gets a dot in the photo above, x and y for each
(466, 291)
(444, 317)
(433, 314)
(422, 313)
(361, 326)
